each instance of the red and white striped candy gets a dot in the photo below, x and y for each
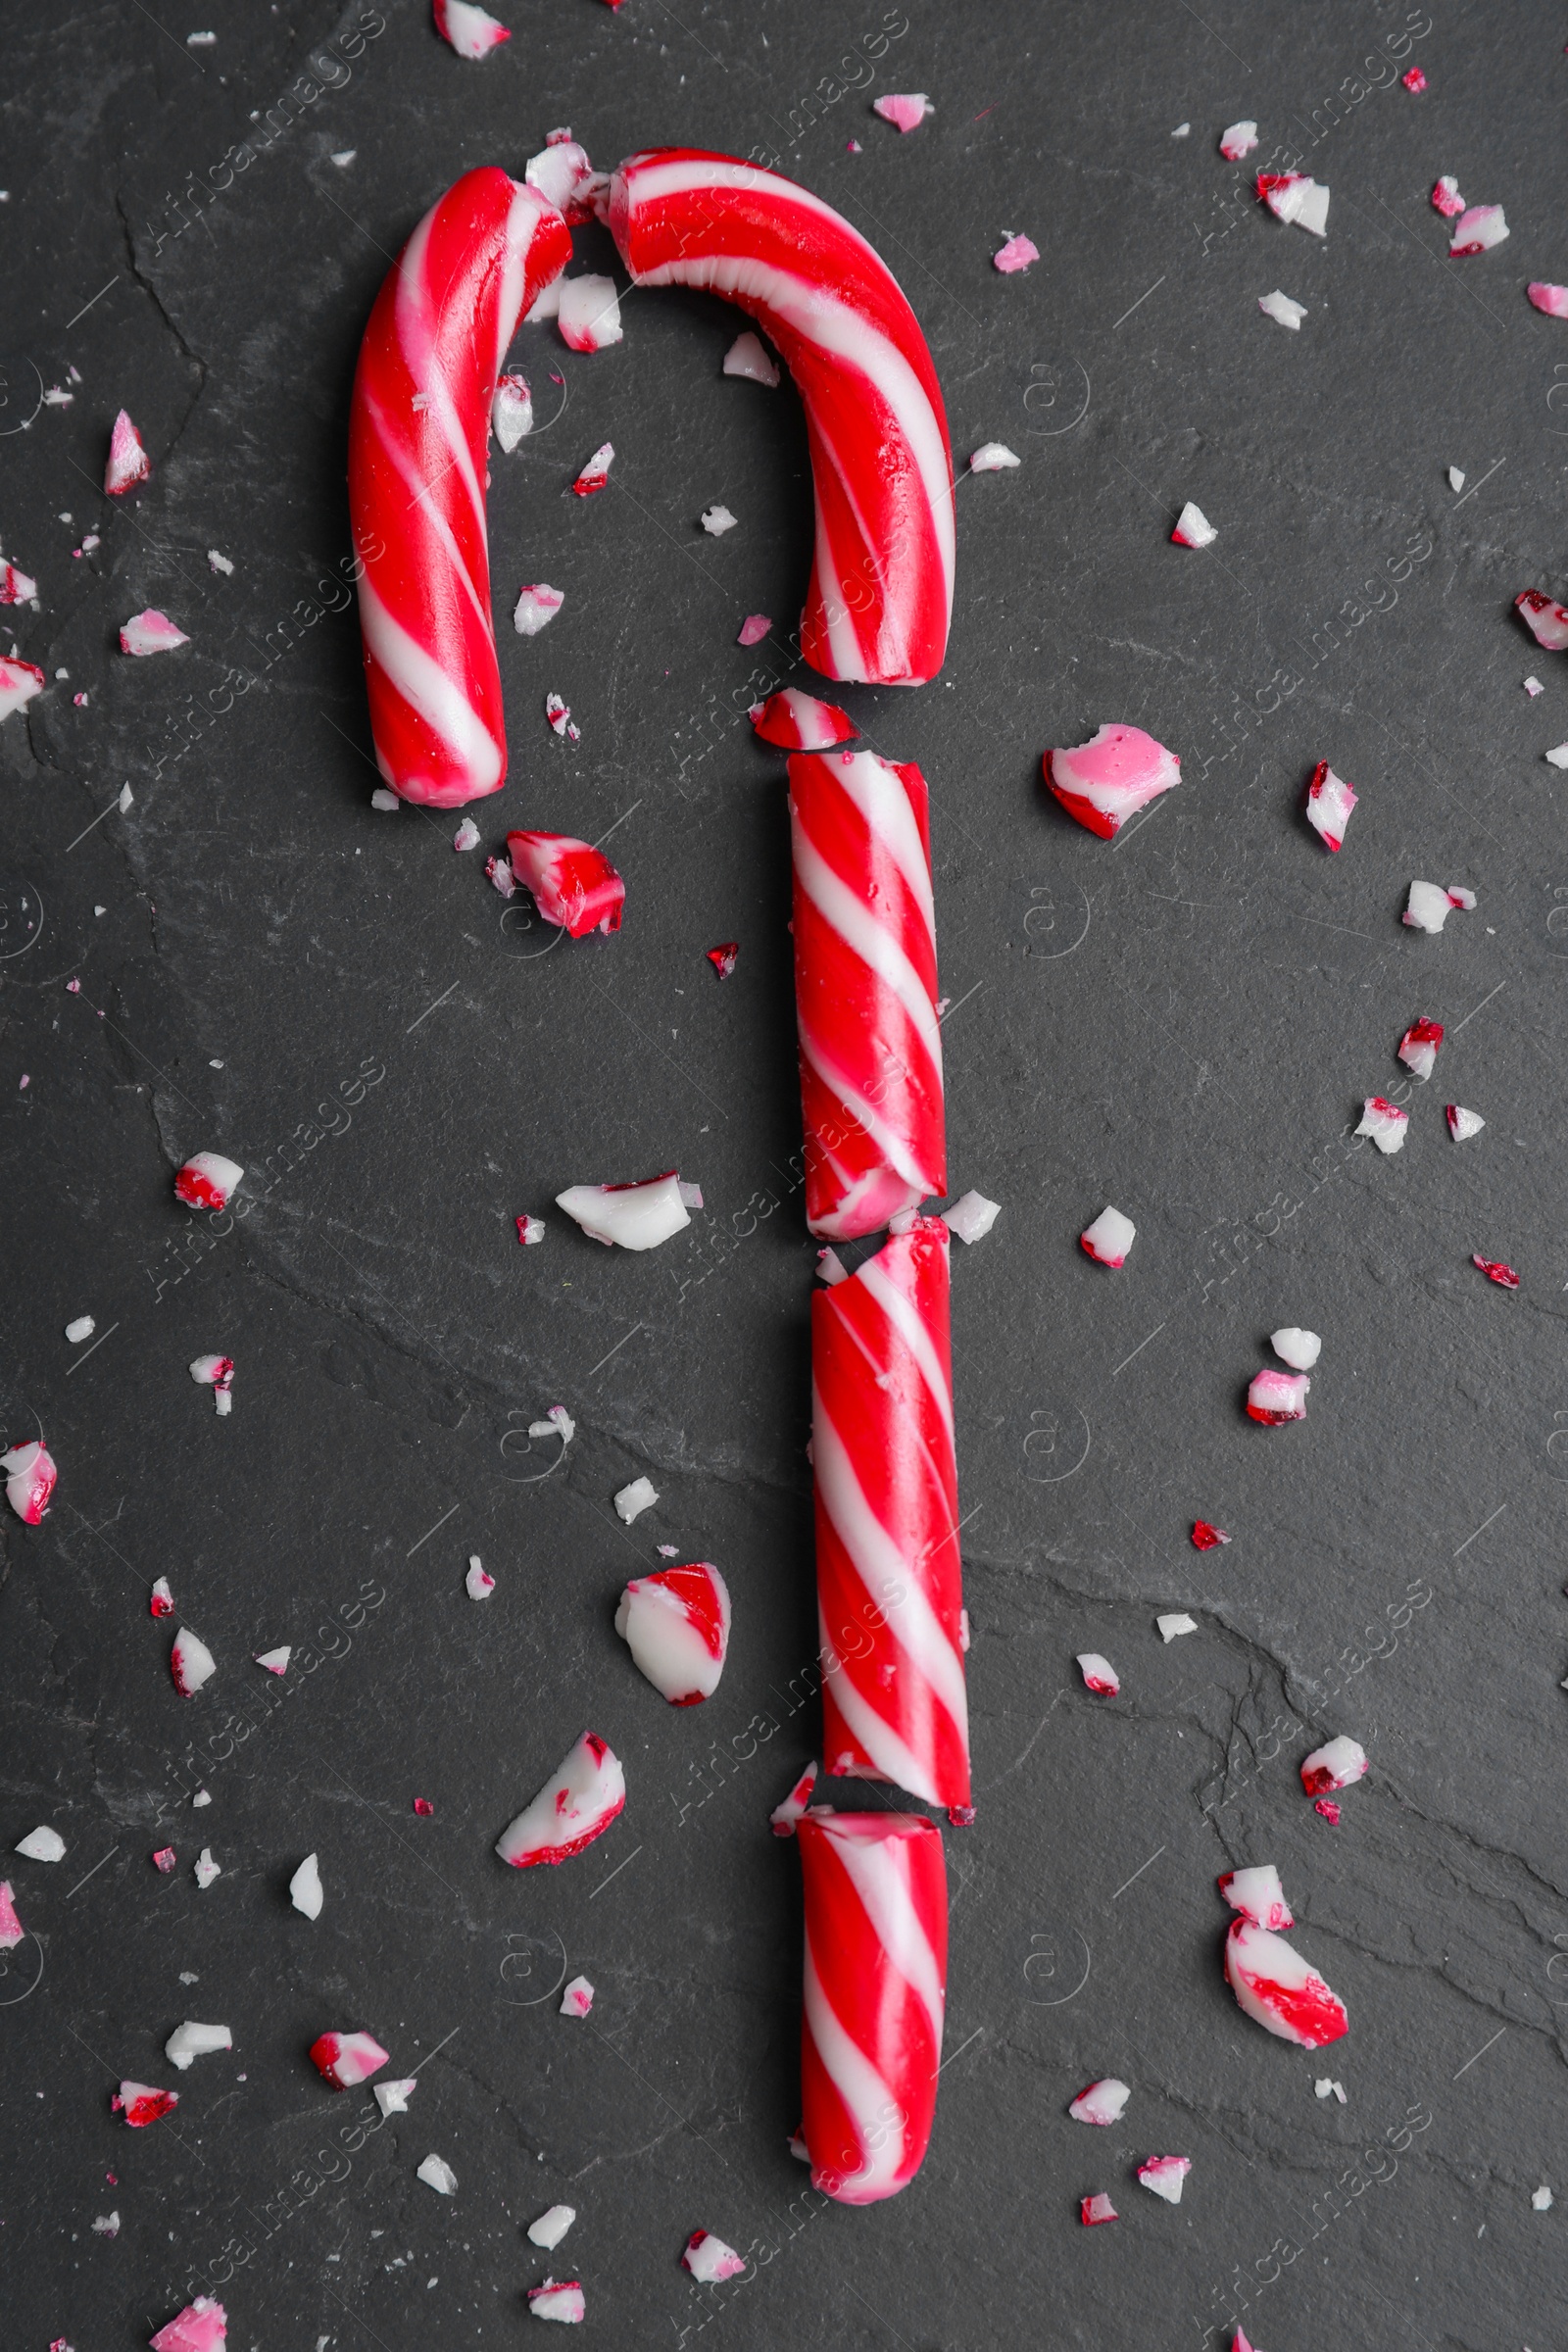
(29, 1475)
(418, 431)
(889, 1580)
(799, 723)
(208, 1180)
(573, 884)
(880, 597)
(1279, 1990)
(676, 1625)
(865, 991)
(876, 1965)
(1109, 778)
(202, 2326)
(142, 2103)
(346, 2060)
(575, 1805)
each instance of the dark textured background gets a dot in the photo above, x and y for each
(1183, 1025)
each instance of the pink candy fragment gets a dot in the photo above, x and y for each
(784, 1817)
(558, 715)
(1553, 300)
(530, 1230)
(1415, 81)
(708, 2258)
(1497, 1271)
(1274, 1397)
(1278, 1990)
(1385, 1122)
(30, 1475)
(164, 1860)
(1297, 199)
(1418, 1047)
(800, 723)
(1478, 230)
(1337, 1765)
(723, 958)
(754, 628)
(345, 2060)
(16, 588)
(200, 2328)
(208, 1181)
(904, 110)
(1099, 1675)
(1109, 779)
(1462, 1123)
(1329, 802)
(1016, 254)
(576, 1805)
(676, 1625)
(537, 604)
(423, 1806)
(190, 1662)
(141, 2104)
(20, 681)
(128, 463)
(629, 1216)
(562, 2299)
(151, 633)
(1108, 1238)
(161, 1602)
(472, 32)
(1546, 619)
(216, 1372)
(1237, 144)
(1102, 2103)
(573, 884)
(578, 1998)
(1256, 1893)
(12, 1929)
(1093, 2209)
(596, 472)
(1166, 2176)
(1329, 1810)
(1447, 199)
(1205, 1535)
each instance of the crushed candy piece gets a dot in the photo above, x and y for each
(20, 681)
(676, 1625)
(1429, 906)
(164, 1860)
(1544, 618)
(1495, 1271)
(151, 633)
(1274, 1397)
(1329, 802)
(216, 1372)
(564, 176)
(1016, 254)
(558, 714)
(1107, 780)
(904, 110)
(1256, 1893)
(631, 1501)
(1478, 230)
(500, 876)
(1205, 1535)
(536, 607)
(191, 2041)
(346, 2060)
(1297, 199)
(30, 1479)
(588, 313)
(971, 1216)
(1552, 300)
(200, 2328)
(1298, 1348)
(205, 1870)
(1539, 2200)
(1108, 1238)
(558, 2299)
(1385, 1122)
(466, 836)
(1462, 1123)
(190, 1662)
(393, 2097)
(785, 1815)
(478, 1584)
(1337, 1765)
(1281, 310)
(1279, 1990)
(437, 2173)
(575, 1805)
(578, 1998)
(423, 1807)
(552, 2227)
(42, 1844)
(716, 521)
(1096, 2209)
(723, 958)
(1102, 2103)
(1099, 1675)
(1415, 81)
(208, 1181)
(162, 1603)
(276, 1661)
(512, 410)
(1329, 1810)
(305, 1890)
(215, 561)
(572, 883)
(1533, 687)
(748, 356)
(1447, 199)
(1166, 2176)
(754, 628)
(1325, 2087)
(708, 2258)
(1455, 478)
(128, 463)
(141, 2104)
(1174, 1624)
(1418, 1047)
(471, 30)
(82, 1328)
(596, 472)
(993, 457)
(1192, 529)
(634, 1216)
(16, 588)
(800, 723)
(1237, 144)
(530, 1230)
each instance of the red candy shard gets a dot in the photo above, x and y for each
(30, 1479)
(1256, 1893)
(708, 2258)
(1418, 1047)
(1546, 619)
(12, 1929)
(128, 463)
(422, 1805)
(208, 1180)
(1109, 778)
(1277, 1988)
(1329, 1810)
(1099, 1675)
(1415, 81)
(1327, 803)
(880, 597)
(676, 1625)
(1339, 1764)
(1447, 199)
(345, 2060)
(141, 2104)
(575, 1805)
(1205, 1535)
(20, 681)
(722, 958)
(1096, 2209)
(1274, 1397)
(800, 723)
(1552, 300)
(16, 588)
(162, 1602)
(165, 1859)
(786, 1815)
(200, 2328)
(190, 1662)
(876, 1964)
(573, 884)
(468, 29)
(1494, 1270)
(596, 473)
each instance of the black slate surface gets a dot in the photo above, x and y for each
(1184, 1024)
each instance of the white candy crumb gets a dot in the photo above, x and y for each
(44, 1845)
(552, 2227)
(81, 1329)
(304, 1887)
(1300, 1348)
(1194, 529)
(479, 1584)
(1455, 478)
(748, 357)
(385, 801)
(1325, 2087)
(633, 1500)
(466, 836)
(993, 457)
(204, 1869)
(1177, 1623)
(393, 2097)
(716, 521)
(437, 2173)
(1539, 2201)
(972, 1217)
(1281, 307)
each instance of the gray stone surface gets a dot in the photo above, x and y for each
(1183, 1025)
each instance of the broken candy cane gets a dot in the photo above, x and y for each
(1329, 804)
(1276, 1396)
(216, 1372)
(799, 723)
(202, 2326)
(1496, 1270)
(558, 2299)
(876, 1964)
(889, 1577)
(418, 431)
(866, 989)
(636, 1216)
(1108, 1238)
(676, 1625)
(708, 2258)
(208, 1181)
(1099, 1675)
(1256, 1893)
(1277, 1988)
(1108, 780)
(1166, 2176)
(1096, 2209)
(1418, 1047)
(345, 2060)
(880, 597)
(1102, 2103)
(1546, 621)
(792, 1810)
(1337, 1765)
(30, 1475)
(576, 1805)
(1478, 230)
(1385, 1122)
(1462, 1123)
(1206, 1536)
(1550, 299)
(141, 2104)
(573, 884)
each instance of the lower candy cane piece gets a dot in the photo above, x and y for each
(865, 991)
(876, 1965)
(418, 434)
(889, 1580)
(880, 597)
